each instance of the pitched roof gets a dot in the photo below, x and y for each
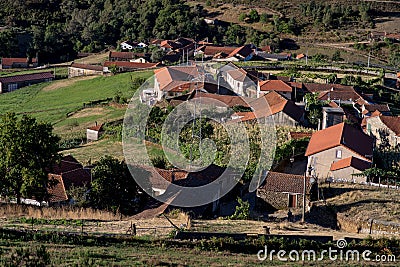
(285, 183)
(71, 171)
(86, 66)
(393, 123)
(319, 87)
(274, 85)
(27, 77)
(56, 191)
(242, 51)
(375, 107)
(276, 103)
(238, 74)
(131, 65)
(8, 61)
(339, 94)
(341, 134)
(170, 78)
(230, 101)
(97, 127)
(244, 116)
(212, 50)
(354, 162)
(126, 55)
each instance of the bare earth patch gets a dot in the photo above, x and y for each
(89, 112)
(67, 82)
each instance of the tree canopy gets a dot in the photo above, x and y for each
(27, 149)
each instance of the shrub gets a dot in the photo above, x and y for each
(242, 211)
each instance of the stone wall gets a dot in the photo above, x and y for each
(375, 227)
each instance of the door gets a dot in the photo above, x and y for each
(292, 201)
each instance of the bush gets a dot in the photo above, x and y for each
(242, 211)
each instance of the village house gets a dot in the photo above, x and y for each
(274, 85)
(62, 177)
(261, 55)
(77, 70)
(11, 63)
(243, 82)
(384, 129)
(332, 116)
(120, 56)
(274, 106)
(341, 94)
(164, 183)
(243, 53)
(340, 151)
(368, 109)
(12, 83)
(175, 81)
(283, 191)
(210, 51)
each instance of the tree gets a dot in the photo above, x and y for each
(113, 187)
(157, 55)
(27, 149)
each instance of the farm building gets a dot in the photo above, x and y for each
(12, 83)
(76, 70)
(10, 63)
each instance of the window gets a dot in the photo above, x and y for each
(339, 154)
(12, 87)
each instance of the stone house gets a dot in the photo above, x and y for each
(384, 129)
(282, 191)
(340, 147)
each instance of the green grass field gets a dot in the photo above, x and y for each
(54, 105)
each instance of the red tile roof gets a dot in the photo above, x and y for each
(72, 172)
(9, 61)
(170, 78)
(377, 107)
(87, 66)
(230, 101)
(212, 50)
(56, 191)
(131, 65)
(274, 85)
(97, 127)
(341, 134)
(244, 116)
(126, 55)
(356, 163)
(27, 77)
(285, 183)
(276, 103)
(393, 123)
(242, 51)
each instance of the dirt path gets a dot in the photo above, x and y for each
(66, 82)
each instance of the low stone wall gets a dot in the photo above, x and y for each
(371, 226)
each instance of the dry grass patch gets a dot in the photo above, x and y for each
(66, 82)
(17, 211)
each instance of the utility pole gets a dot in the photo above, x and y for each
(369, 58)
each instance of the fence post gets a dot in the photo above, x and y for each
(134, 229)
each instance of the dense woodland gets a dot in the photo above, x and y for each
(56, 30)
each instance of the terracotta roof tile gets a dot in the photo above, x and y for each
(97, 127)
(276, 103)
(393, 123)
(56, 191)
(172, 77)
(375, 107)
(274, 85)
(340, 134)
(354, 162)
(285, 183)
(230, 101)
(7, 61)
(125, 55)
(27, 77)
